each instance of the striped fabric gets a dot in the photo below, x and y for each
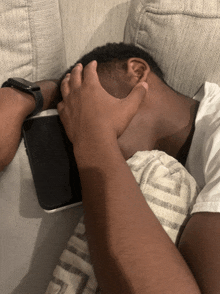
(169, 190)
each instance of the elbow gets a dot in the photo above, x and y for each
(5, 159)
(3, 164)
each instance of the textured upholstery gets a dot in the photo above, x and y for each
(31, 40)
(182, 37)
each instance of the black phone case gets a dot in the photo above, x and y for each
(52, 163)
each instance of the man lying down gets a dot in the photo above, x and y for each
(152, 132)
(155, 145)
(154, 136)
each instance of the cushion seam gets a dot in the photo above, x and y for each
(31, 41)
(139, 21)
(173, 12)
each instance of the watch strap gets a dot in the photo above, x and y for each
(39, 103)
(27, 87)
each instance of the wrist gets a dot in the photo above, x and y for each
(19, 103)
(95, 151)
(24, 103)
(50, 92)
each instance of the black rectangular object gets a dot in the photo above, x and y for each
(52, 163)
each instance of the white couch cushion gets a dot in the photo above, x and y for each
(182, 37)
(31, 43)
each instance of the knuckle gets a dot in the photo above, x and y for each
(64, 87)
(59, 108)
(63, 83)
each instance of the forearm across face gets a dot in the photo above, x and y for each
(130, 251)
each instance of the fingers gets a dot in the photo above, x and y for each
(60, 107)
(72, 80)
(65, 88)
(90, 73)
(76, 76)
(137, 93)
(133, 100)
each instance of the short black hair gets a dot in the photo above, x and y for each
(113, 52)
(117, 52)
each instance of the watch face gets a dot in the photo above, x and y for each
(23, 84)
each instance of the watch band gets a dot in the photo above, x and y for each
(27, 87)
(39, 103)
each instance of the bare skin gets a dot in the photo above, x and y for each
(124, 236)
(15, 106)
(200, 240)
(116, 215)
(139, 135)
(163, 128)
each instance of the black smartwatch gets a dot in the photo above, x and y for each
(28, 87)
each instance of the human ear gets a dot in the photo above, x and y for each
(138, 69)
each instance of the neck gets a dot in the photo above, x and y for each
(139, 136)
(170, 130)
(176, 142)
(178, 116)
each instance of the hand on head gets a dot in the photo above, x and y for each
(88, 110)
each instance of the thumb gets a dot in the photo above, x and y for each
(60, 107)
(133, 100)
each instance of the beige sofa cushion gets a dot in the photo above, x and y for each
(91, 23)
(31, 40)
(182, 37)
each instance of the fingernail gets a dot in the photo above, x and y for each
(67, 76)
(145, 85)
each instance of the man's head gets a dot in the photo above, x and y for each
(120, 67)
(163, 120)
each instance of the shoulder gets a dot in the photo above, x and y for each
(209, 98)
(204, 153)
(203, 161)
(199, 245)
